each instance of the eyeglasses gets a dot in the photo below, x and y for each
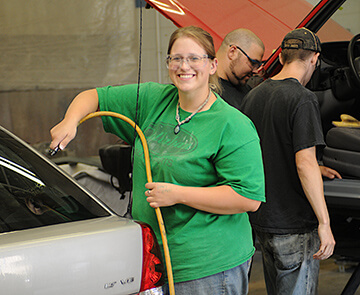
(193, 61)
(255, 64)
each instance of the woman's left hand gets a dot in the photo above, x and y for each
(217, 200)
(160, 194)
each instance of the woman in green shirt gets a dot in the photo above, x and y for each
(207, 171)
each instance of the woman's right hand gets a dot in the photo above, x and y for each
(62, 134)
(84, 103)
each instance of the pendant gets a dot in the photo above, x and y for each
(177, 129)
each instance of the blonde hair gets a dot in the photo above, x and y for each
(204, 39)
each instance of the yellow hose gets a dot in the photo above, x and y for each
(149, 178)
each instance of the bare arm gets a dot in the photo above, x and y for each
(219, 200)
(311, 181)
(83, 104)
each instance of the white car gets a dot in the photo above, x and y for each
(57, 238)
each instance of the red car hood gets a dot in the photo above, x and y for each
(270, 20)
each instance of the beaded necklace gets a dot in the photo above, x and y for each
(186, 120)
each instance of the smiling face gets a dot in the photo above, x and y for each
(188, 76)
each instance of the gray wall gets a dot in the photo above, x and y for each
(52, 50)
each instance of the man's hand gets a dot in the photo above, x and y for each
(329, 173)
(327, 243)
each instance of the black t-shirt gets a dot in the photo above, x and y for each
(287, 118)
(233, 95)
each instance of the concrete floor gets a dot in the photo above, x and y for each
(333, 277)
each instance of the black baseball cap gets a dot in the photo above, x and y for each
(309, 41)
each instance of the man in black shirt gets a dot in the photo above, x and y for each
(293, 226)
(239, 58)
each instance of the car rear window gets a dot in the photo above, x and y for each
(34, 193)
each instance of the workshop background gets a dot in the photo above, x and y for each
(52, 50)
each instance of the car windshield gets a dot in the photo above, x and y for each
(343, 25)
(34, 193)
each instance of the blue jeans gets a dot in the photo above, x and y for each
(289, 267)
(233, 282)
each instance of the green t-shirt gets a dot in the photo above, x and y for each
(217, 147)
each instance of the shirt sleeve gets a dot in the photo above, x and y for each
(121, 100)
(307, 129)
(240, 165)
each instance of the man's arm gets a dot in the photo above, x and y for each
(311, 181)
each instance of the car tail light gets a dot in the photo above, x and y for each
(153, 267)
